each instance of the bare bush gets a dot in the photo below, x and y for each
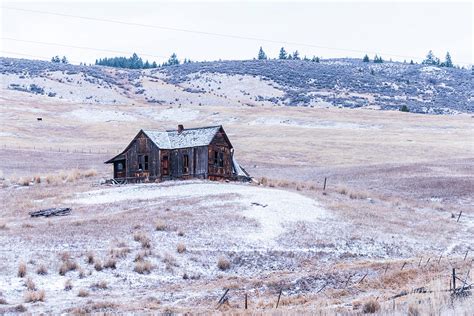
(3, 226)
(67, 266)
(143, 267)
(223, 263)
(101, 285)
(68, 285)
(90, 257)
(371, 307)
(160, 225)
(35, 296)
(98, 265)
(83, 293)
(111, 263)
(120, 252)
(181, 248)
(30, 285)
(3, 301)
(22, 270)
(42, 270)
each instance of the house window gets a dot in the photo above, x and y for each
(216, 158)
(120, 166)
(185, 163)
(146, 162)
(221, 160)
(140, 162)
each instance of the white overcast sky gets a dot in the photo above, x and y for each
(328, 29)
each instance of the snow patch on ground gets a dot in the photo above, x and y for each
(272, 208)
(320, 124)
(96, 115)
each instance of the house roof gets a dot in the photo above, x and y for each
(172, 139)
(191, 137)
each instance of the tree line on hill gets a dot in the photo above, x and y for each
(136, 62)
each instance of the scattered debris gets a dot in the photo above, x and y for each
(258, 204)
(51, 212)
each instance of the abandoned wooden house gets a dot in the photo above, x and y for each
(203, 152)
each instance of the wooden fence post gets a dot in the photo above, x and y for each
(460, 213)
(278, 301)
(324, 187)
(246, 305)
(454, 280)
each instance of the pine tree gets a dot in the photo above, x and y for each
(154, 65)
(64, 60)
(431, 59)
(55, 59)
(315, 59)
(296, 55)
(448, 61)
(366, 59)
(289, 56)
(146, 65)
(411, 62)
(283, 54)
(261, 54)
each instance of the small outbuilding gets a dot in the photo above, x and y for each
(153, 155)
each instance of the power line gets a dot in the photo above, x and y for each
(79, 47)
(213, 33)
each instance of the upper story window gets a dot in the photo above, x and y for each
(221, 160)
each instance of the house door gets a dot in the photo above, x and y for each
(165, 171)
(119, 169)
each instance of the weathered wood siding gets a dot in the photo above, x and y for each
(142, 145)
(220, 144)
(197, 162)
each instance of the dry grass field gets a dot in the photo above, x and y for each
(387, 222)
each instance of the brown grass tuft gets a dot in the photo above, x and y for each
(68, 285)
(67, 266)
(83, 293)
(111, 263)
(98, 265)
(160, 225)
(371, 307)
(34, 296)
(223, 263)
(143, 267)
(101, 285)
(22, 270)
(42, 270)
(90, 257)
(181, 248)
(3, 226)
(30, 285)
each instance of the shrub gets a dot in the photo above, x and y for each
(68, 285)
(34, 296)
(42, 270)
(101, 285)
(141, 255)
(180, 233)
(3, 301)
(181, 248)
(82, 274)
(3, 225)
(30, 285)
(146, 243)
(98, 265)
(83, 293)
(143, 267)
(67, 266)
(119, 252)
(371, 307)
(111, 263)
(90, 258)
(223, 263)
(65, 256)
(24, 181)
(22, 270)
(404, 108)
(160, 225)
(90, 173)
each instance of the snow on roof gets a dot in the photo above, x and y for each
(192, 137)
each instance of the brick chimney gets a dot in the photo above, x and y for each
(180, 128)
